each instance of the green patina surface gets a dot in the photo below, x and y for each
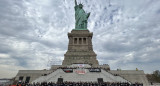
(81, 17)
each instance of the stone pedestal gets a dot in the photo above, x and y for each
(80, 50)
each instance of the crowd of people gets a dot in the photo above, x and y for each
(80, 84)
(82, 68)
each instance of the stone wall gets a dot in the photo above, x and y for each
(33, 74)
(132, 75)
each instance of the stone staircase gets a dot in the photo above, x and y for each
(75, 77)
(120, 78)
(48, 77)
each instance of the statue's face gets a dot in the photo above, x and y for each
(80, 5)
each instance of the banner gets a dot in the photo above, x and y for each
(68, 70)
(94, 70)
(80, 71)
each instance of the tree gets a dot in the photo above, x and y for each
(156, 73)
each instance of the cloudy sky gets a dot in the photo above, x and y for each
(33, 33)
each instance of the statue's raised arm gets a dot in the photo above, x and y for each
(75, 2)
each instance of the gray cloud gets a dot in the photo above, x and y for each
(34, 33)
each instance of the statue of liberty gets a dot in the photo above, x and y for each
(81, 17)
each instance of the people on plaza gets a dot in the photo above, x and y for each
(80, 84)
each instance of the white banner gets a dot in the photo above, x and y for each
(80, 71)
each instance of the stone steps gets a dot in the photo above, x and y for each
(75, 77)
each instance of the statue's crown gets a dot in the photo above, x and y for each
(81, 5)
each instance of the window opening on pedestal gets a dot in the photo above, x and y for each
(84, 41)
(80, 40)
(75, 40)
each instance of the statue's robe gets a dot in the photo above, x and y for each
(81, 18)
